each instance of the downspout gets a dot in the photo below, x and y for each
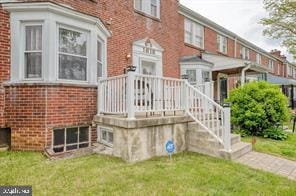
(235, 46)
(243, 79)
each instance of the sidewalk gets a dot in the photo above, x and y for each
(270, 163)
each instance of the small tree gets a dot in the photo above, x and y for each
(258, 106)
(281, 23)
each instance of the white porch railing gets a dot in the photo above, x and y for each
(206, 88)
(136, 93)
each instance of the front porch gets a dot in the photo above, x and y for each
(138, 114)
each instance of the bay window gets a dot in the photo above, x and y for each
(194, 33)
(33, 51)
(222, 44)
(56, 44)
(100, 58)
(72, 55)
(149, 7)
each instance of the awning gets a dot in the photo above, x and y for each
(280, 80)
(231, 65)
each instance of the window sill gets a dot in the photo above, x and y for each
(222, 53)
(147, 15)
(43, 83)
(194, 47)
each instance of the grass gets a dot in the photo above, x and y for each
(286, 149)
(186, 174)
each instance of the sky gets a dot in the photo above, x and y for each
(239, 16)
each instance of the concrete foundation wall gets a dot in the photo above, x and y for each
(144, 142)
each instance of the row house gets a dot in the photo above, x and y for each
(127, 75)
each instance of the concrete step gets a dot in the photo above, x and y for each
(237, 150)
(102, 149)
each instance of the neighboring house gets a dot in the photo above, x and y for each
(52, 54)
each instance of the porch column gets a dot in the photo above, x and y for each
(130, 91)
(227, 127)
(292, 97)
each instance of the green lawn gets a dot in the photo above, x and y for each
(286, 149)
(187, 173)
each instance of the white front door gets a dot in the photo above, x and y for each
(148, 67)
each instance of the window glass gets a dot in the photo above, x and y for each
(188, 31)
(150, 7)
(72, 55)
(100, 59)
(206, 76)
(222, 44)
(154, 8)
(106, 136)
(33, 51)
(138, 5)
(72, 141)
(83, 134)
(72, 135)
(191, 75)
(193, 33)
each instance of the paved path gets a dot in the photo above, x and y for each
(270, 163)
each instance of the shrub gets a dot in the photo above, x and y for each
(275, 133)
(258, 106)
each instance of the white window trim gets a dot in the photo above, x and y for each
(258, 58)
(271, 65)
(65, 145)
(76, 29)
(139, 55)
(51, 16)
(194, 33)
(23, 49)
(146, 8)
(244, 53)
(221, 43)
(104, 51)
(108, 130)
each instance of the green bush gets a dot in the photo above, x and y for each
(275, 133)
(258, 106)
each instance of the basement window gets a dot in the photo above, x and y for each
(72, 138)
(106, 136)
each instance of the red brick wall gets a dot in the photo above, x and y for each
(32, 111)
(4, 58)
(230, 48)
(210, 40)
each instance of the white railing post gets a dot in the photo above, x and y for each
(185, 96)
(227, 127)
(130, 91)
(99, 98)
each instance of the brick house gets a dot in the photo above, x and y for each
(53, 52)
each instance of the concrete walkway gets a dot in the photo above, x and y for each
(269, 163)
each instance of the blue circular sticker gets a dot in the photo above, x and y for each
(170, 147)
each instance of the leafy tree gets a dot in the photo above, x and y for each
(281, 23)
(258, 106)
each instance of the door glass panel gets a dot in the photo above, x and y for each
(148, 68)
